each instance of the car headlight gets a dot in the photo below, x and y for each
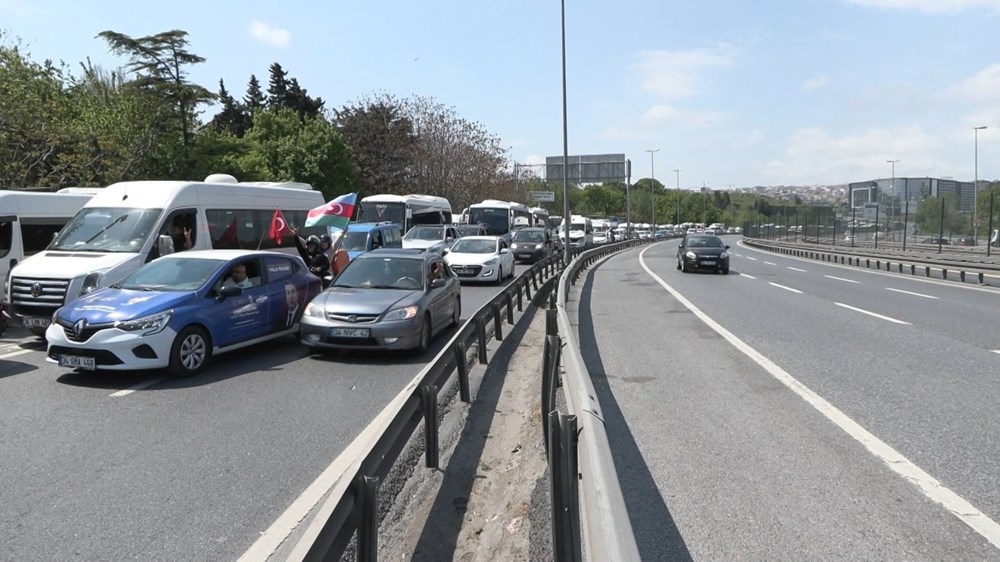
(90, 283)
(314, 310)
(691, 255)
(723, 255)
(491, 261)
(148, 325)
(513, 245)
(538, 246)
(401, 314)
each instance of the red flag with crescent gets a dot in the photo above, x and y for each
(279, 227)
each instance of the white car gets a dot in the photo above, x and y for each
(435, 238)
(481, 258)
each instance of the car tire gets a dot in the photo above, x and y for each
(190, 352)
(456, 315)
(724, 271)
(678, 263)
(425, 335)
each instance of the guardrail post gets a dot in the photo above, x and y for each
(510, 307)
(981, 281)
(563, 479)
(534, 279)
(497, 330)
(551, 322)
(527, 290)
(463, 373)
(913, 269)
(961, 276)
(367, 515)
(481, 334)
(520, 306)
(900, 267)
(429, 407)
(550, 377)
(944, 274)
(868, 263)
(927, 271)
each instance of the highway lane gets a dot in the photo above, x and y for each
(743, 466)
(182, 469)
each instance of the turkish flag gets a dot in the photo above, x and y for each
(228, 238)
(279, 227)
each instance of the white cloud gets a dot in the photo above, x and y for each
(981, 87)
(263, 31)
(929, 6)
(23, 9)
(817, 83)
(661, 114)
(677, 74)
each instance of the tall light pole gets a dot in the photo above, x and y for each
(566, 215)
(652, 189)
(975, 189)
(678, 172)
(893, 204)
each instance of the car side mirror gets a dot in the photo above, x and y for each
(437, 283)
(164, 245)
(504, 251)
(681, 246)
(445, 251)
(727, 247)
(229, 291)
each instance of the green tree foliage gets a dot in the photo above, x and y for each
(233, 118)
(254, 99)
(277, 86)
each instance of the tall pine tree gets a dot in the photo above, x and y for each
(232, 118)
(277, 88)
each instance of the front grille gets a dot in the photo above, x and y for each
(353, 318)
(101, 356)
(35, 296)
(85, 334)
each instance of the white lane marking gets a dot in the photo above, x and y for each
(140, 386)
(770, 263)
(796, 269)
(15, 353)
(750, 258)
(927, 484)
(841, 279)
(997, 351)
(911, 293)
(785, 288)
(747, 276)
(870, 313)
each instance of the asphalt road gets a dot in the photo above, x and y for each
(134, 466)
(840, 439)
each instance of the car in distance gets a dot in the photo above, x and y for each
(181, 309)
(702, 252)
(471, 230)
(364, 237)
(432, 238)
(531, 244)
(481, 258)
(384, 299)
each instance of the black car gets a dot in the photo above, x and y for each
(531, 244)
(702, 252)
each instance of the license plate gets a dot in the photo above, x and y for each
(349, 332)
(524, 255)
(77, 361)
(462, 271)
(36, 322)
(708, 262)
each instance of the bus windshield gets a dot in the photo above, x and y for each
(496, 221)
(379, 212)
(113, 229)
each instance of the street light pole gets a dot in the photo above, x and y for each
(678, 172)
(892, 204)
(566, 215)
(652, 189)
(975, 189)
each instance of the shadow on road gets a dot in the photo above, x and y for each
(656, 533)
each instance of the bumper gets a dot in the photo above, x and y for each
(706, 264)
(316, 333)
(113, 349)
(528, 255)
(477, 272)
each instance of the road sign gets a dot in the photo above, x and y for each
(543, 196)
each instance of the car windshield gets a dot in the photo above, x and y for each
(496, 220)
(466, 246)
(99, 229)
(172, 274)
(470, 230)
(704, 242)
(382, 273)
(355, 241)
(528, 236)
(424, 233)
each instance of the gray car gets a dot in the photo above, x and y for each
(385, 299)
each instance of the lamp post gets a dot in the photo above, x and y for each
(652, 188)
(975, 189)
(566, 215)
(678, 172)
(892, 203)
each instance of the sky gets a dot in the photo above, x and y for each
(732, 93)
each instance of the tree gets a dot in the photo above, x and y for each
(382, 141)
(254, 99)
(277, 88)
(160, 64)
(233, 117)
(299, 100)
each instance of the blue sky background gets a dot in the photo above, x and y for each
(731, 92)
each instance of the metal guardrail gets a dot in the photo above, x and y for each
(352, 505)
(584, 481)
(903, 264)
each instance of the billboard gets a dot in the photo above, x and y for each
(588, 168)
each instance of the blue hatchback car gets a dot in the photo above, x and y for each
(179, 310)
(364, 237)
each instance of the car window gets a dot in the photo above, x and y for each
(383, 273)
(172, 275)
(278, 268)
(424, 233)
(474, 246)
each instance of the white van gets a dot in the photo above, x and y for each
(130, 223)
(581, 232)
(29, 221)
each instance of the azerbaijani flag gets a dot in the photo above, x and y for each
(336, 213)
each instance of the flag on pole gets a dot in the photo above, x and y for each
(279, 227)
(336, 213)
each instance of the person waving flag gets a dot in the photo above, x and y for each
(279, 227)
(336, 213)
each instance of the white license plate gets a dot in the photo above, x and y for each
(36, 322)
(462, 271)
(77, 361)
(524, 255)
(349, 332)
(708, 262)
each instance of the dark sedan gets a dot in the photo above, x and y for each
(702, 252)
(385, 299)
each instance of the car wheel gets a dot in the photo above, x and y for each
(190, 352)
(678, 263)
(456, 315)
(724, 271)
(425, 335)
